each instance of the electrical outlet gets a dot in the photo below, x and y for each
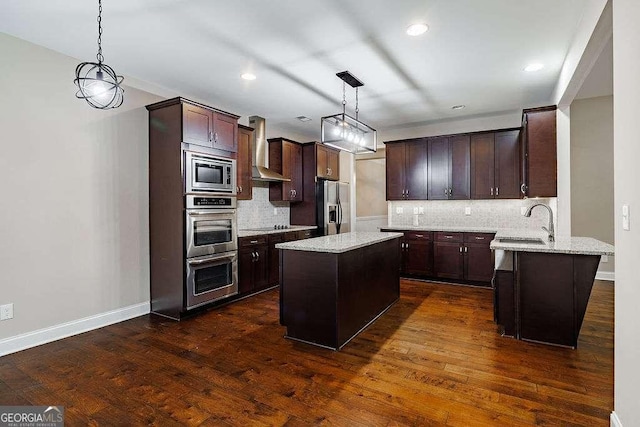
(625, 217)
(604, 258)
(6, 311)
(275, 211)
(415, 210)
(523, 210)
(399, 209)
(467, 210)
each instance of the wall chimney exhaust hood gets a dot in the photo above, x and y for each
(260, 164)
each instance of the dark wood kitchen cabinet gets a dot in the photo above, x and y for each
(495, 165)
(539, 155)
(327, 162)
(448, 257)
(285, 157)
(243, 168)
(417, 253)
(274, 257)
(406, 167)
(209, 128)
(253, 264)
(478, 258)
(449, 167)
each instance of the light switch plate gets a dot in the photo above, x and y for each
(275, 211)
(604, 258)
(625, 217)
(399, 209)
(415, 210)
(6, 311)
(467, 210)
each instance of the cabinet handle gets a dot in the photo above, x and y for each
(523, 189)
(419, 235)
(257, 256)
(253, 242)
(448, 237)
(479, 238)
(407, 192)
(466, 249)
(492, 191)
(210, 136)
(497, 193)
(460, 249)
(253, 256)
(446, 191)
(215, 136)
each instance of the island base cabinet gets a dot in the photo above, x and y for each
(327, 298)
(546, 299)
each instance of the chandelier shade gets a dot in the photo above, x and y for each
(98, 83)
(345, 132)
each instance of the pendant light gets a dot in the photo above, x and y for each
(98, 83)
(345, 132)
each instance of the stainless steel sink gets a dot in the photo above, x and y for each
(528, 241)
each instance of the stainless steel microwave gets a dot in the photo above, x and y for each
(205, 173)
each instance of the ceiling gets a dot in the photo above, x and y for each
(473, 54)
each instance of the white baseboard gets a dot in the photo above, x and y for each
(614, 420)
(606, 275)
(75, 327)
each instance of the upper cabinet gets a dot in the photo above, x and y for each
(188, 122)
(539, 161)
(407, 166)
(449, 164)
(285, 157)
(495, 165)
(245, 135)
(327, 162)
(209, 128)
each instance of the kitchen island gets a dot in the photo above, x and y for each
(541, 288)
(332, 287)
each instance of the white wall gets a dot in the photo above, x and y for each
(74, 188)
(592, 171)
(626, 107)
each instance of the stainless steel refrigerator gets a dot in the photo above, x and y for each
(333, 207)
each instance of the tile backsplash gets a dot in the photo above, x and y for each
(259, 211)
(483, 213)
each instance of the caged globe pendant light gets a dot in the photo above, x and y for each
(345, 132)
(98, 83)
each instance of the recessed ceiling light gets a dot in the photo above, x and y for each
(417, 29)
(248, 76)
(458, 107)
(534, 67)
(303, 118)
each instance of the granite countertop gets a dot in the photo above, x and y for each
(257, 232)
(451, 229)
(339, 243)
(562, 244)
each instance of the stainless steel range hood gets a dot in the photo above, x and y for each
(260, 164)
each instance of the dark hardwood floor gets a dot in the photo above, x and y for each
(433, 359)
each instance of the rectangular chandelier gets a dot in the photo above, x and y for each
(345, 132)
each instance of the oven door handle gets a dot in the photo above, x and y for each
(212, 212)
(210, 259)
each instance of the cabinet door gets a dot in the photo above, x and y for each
(438, 168)
(196, 125)
(334, 164)
(261, 267)
(225, 132)
(416, 169)
(448, 260)
(478, 262)
(460, 157)
(419, 257)
(244, 164)
(322, 161)
(395, 170)
(507, 165)
(482, 166)
(295, 171)
(541, 154)
(274, 258)
(246, 259)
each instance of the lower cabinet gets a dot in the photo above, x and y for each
(259, 260)
(253, 264)
(459, 257)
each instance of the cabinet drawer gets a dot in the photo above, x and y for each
(443, 236)
(484, 238)
(276, 238)
(305, 234)
(418, 235)
(245, 242)
(290, 235)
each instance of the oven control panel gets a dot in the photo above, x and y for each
(218, 202)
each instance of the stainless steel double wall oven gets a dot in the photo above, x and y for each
(210, 229)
